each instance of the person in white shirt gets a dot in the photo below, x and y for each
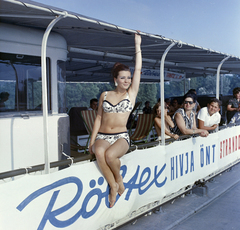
(209, 117)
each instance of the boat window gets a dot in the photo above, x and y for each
(20, 82)
(61, 71)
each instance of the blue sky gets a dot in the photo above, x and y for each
(211, 24)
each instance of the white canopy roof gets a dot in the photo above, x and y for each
(94, 46)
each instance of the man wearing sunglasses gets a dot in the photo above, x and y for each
(184, 118)
(209, 117)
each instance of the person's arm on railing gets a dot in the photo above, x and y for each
(201, 126)
(181, 125)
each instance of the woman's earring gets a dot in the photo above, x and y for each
(116, 84)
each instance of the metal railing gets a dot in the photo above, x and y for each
(88, 157)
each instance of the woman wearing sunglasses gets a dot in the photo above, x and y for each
(184, 118)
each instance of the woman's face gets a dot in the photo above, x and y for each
(159, 110)
(124, 79)
(188, 104)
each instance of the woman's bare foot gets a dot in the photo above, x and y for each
(121, 186)
(113, 194)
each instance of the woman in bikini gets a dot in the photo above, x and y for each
(110, 140)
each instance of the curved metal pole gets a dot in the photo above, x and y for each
(218, 75)
(44, 90)
(162, 92)
(218, 78)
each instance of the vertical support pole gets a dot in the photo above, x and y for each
(218, 75)
(222, 80)
(189, 83)
(184, 86)
(44, 90)
(218, 78)
(162, 92)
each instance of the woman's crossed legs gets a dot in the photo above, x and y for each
(108, 161)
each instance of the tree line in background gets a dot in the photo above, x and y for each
(80, 94)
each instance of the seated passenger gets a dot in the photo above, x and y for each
(168, 122)
(93, 104)
(174, 106)
(4, 96)
(147, 109)
(233, 104)
(236, 118)
(184, 118)
(209, 117)
(168, 102)
(197, 107)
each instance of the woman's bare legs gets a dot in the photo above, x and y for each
(99, 148)
(113, 153)
(108, 161)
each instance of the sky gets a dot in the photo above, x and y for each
(213, 24)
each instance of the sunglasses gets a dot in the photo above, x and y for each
(190, 102)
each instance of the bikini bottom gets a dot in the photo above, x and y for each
(111, 138)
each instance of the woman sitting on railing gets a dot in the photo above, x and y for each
(184, 118)
(168, 122)
(110, 139)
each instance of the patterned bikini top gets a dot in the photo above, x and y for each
(123, 106)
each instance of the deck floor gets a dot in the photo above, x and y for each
(219, 209)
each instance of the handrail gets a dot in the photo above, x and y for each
(218, 75)
(40, 167)
(89, 157)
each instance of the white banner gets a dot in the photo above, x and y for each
(172, 76)
(155, 73)
(77, 197)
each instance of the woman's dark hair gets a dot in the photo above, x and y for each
(192, 95)
(192, 91)
(236, 91)
(119, 67)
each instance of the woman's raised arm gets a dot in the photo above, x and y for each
(133, 90)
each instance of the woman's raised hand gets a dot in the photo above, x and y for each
(138, 39)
